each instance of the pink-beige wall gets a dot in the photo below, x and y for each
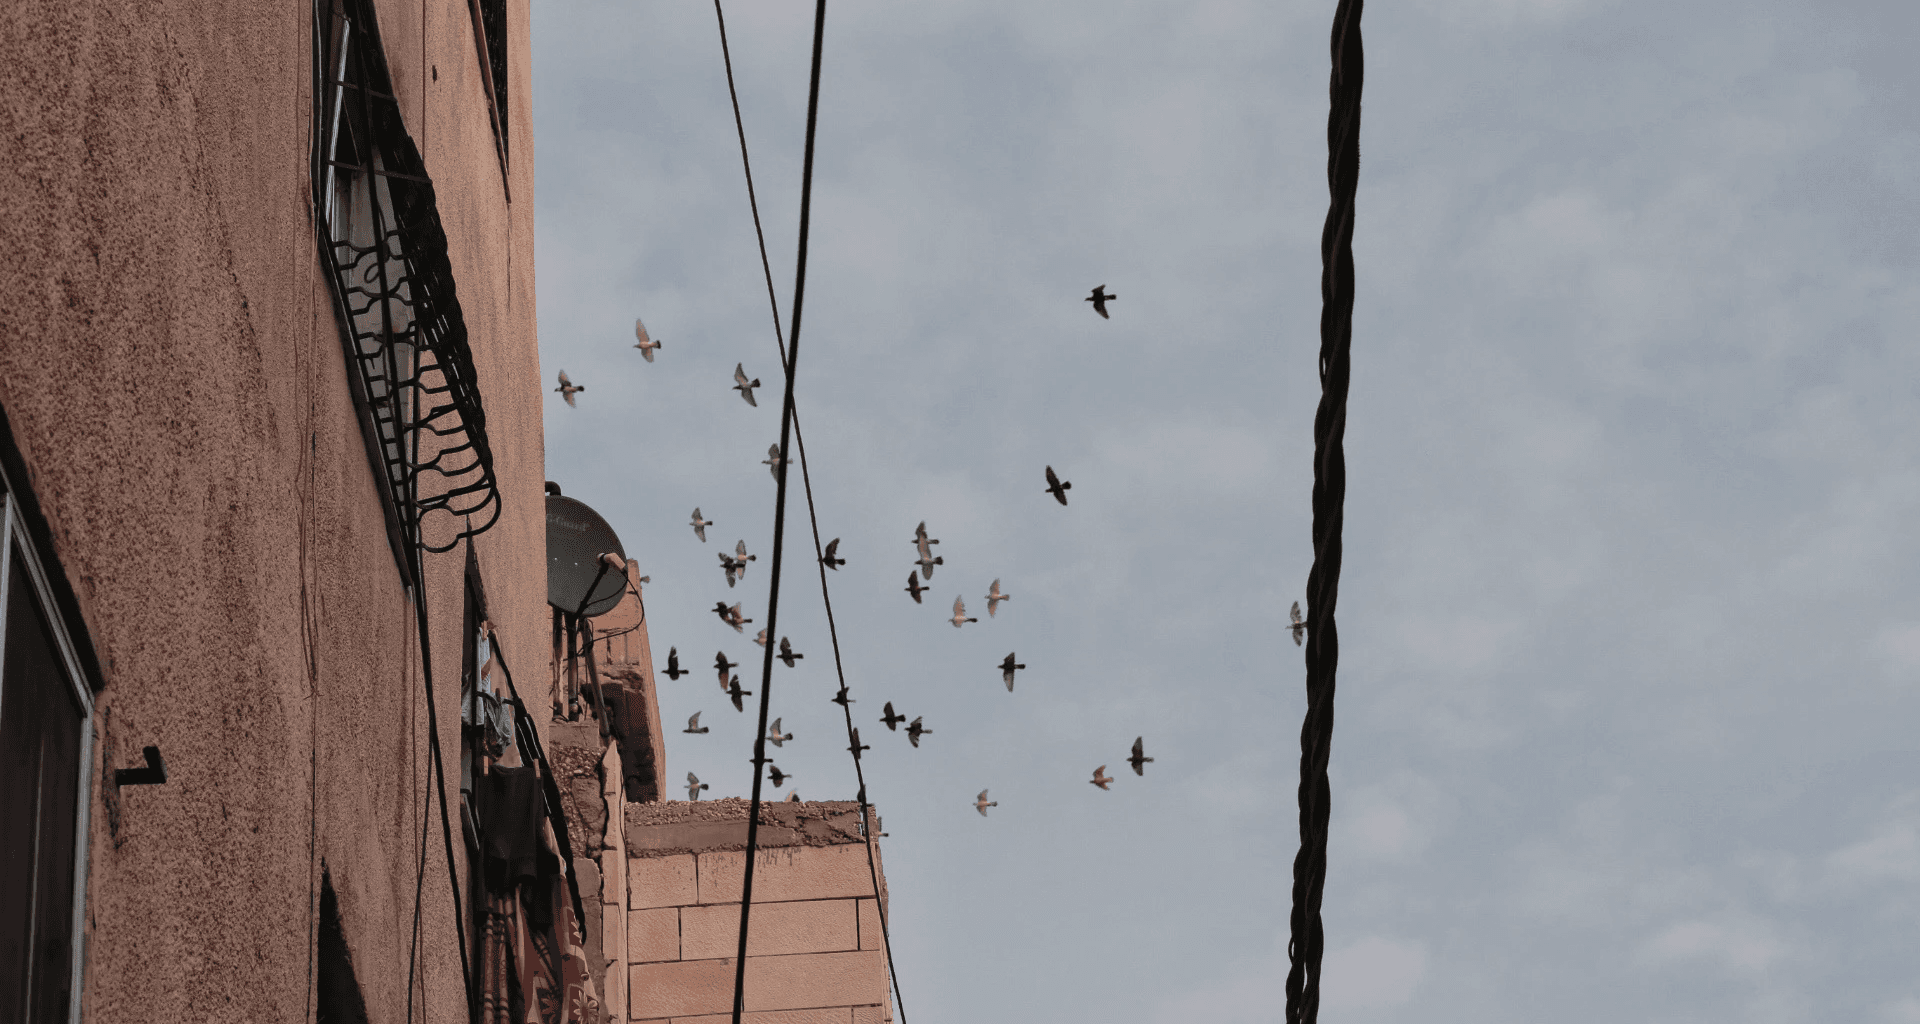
(814, 951)
(173, 374)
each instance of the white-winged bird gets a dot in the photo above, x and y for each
(693, 725)
(1057, 487)
(568, 389)
(734, 691)
(994, 597)
(1007, 668)
(1100, 298)
(700, 525)
(694, 786)
(646, 345)
(740, 555)
(787, 653)
(915, 731)
(674, 671)
(1100, 777)
(775, 736)
(914, 587)
(981, 803)
(926, 565)
(1299, 625)
(773, 461)
(832, 560)
(960, 613)
(743, 385)
(1139, 760)
(891, 720)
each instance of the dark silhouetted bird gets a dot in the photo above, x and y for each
(842, 699)
(1007, 668)
(793, 797)
(994, 597)
(646, 345)
(857, 746)
(700, 525)
(787, 653)
(731, 566)
(891, 720)
(568, 389)
(720, 662)
(1100, 298)
(915, 731)
(832, 560)
(720, 609)
(743, 385)
(914, 587)
(693, 725)
(694, 786)
(776, 776)
(1139, 760)
(960, 613)
(1057, 487)
(1100, 777)
(1299, 625)
(674, 671)
(981, 803)
(731, 616)
(735, 692)
(775, 736)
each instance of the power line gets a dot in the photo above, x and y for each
(813, 517)
(780, 505)
(1308, 938)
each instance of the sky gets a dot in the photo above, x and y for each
(1630, 634)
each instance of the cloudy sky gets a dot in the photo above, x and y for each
(1631, 637)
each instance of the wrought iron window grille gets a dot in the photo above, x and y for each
(490, 42)
(382, 243)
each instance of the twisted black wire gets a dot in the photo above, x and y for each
(780, 508)
(1308, 939)
(813, 517)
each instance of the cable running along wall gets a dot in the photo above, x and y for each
(1308, 941)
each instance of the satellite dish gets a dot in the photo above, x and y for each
(576, 538)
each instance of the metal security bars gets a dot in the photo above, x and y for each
(381, 241)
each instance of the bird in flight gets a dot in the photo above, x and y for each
(568, 389)
(735, 692)
(892, 721)
(915, 731)
(793, 797)
(924, 544)
(646, 345)
(776, 776)
(694, 786)
(1100, 777)
(1299, 624)
(775, 736)
(720, 662)
(914, 587)
(832, 560)
(960, 613)
(1056, 487)
(743, 385)
(842, 699)
(1100, 298)
(693, 725)
(760, 638)
(857, 746)
(926, 564)
(700, 526)
(1007, 668)
(674, 671)
(787, 653)
(732, 567)
(981, 803)
(1139, 760)
(773, 461)
(994, 597)
(730, 616)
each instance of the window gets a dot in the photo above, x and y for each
(490, 33)
(46, 739)
(400, 323)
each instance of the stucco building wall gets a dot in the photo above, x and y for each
(173, 375)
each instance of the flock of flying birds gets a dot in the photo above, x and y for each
(734, 566)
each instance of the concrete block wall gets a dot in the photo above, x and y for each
(814, 948)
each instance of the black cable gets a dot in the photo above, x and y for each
(1308, 938)
(806, 479)
(780, 504)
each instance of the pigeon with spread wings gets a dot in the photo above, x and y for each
(994, 597)
(914, 587)
(1100, 777)
(960, 613)
(1100, 298)
(1057, 487)
(1007, 668)
(694, 786)
(674, 671)
(981, 803)
(743, 385)
(646, 345)
(1139, 760)
(568, 389)
(700, 525)
(891, 720)
(693, 725)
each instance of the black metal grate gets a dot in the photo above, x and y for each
(400, 320)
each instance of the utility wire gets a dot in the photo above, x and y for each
(800, 442)
(1308, 938)
(780, 507)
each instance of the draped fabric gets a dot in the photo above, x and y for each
(533, 969)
